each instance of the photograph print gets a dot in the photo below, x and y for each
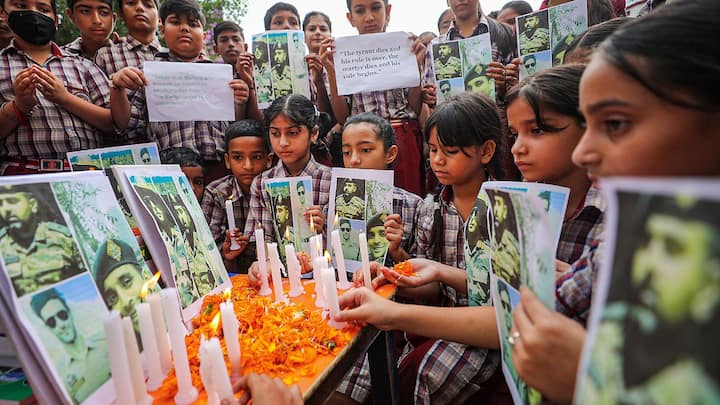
(289, 198)
(533, 32)
(261, 70)
(280, 71)
(567, 21)
(350, 200)
(446, 59)
(478, 252)
(505, 238)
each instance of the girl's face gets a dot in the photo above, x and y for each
(316, 30)
(540, 155)
(454, 166)
(632, 132)
(290, 142)
(363, 149)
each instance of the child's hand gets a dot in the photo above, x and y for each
(394, 234)
(241, 239)
(425, 271)
(327, 54)
(244, 67)
(254, 279)
(315, 67)
(363, 307)
(241, 91)
(496, 70)
(116, 38)
(418, 48)
(50, 86)
(24, 89)
(130, 78)
(429, 95)
(512, 73)
(263, 390)
(305, 265)
(315, 212)
(376, 276)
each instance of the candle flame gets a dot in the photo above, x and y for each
(287, 234)
(335, 223)
(215, 323)
(149, 285)
(327, 256)
(312, 224)
(226, 294)
(318, 246)
(230, 197)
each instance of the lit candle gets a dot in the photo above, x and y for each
(230, 331)
(293, 267)
(187, 394)
(152, 357)
(318, 264)
(206, 374)
(210, 352)
(331, 296)
(262, 262)
(365, 260)
(234, 245)
(163, 345)
(275, 265)
(343, 282)
(114, 336)
(137, 374)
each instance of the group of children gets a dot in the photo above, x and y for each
(627, 107)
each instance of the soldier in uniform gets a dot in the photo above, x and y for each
(447, 65)
(348, 204)
(281, 75)
(351, 250)
(535, 36)
(37, 250)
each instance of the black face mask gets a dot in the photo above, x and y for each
(32, 27)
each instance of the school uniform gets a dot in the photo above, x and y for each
(75, 48)
(573, 290)
(407, 205)
(583, 228)
(49, 131)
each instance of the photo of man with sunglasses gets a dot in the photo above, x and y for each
(350, 245)
(80, 359)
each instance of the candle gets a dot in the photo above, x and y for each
(293, 267)
(230, 331)
(114, 336)
(318, 264)
(331, 296)
(343, 282)
(262, 262)
(160, 332)
(211, 353)
(206, 374)
(137, 374)
(152, 357)
(275, 265)
(365, 260)
(234, 245)
(187, 394)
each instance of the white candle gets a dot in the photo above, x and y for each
(331, 295)
(293, 267)
(234, 245)
(275, 270)
(262, 262)
(161, 336)
(137, 374)
(114, 337)
(367, 279)
(318, 264)
(206, 374)
(212, 353)
(230, 331)
(343, 282)
(152, 357)
(187, 394)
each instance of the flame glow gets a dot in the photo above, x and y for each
(327, 257)
(287, 234)
(312, 224)
(226, 294)
(149, 285)
(215, 323)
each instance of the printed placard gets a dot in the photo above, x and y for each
(461, 65)
(289, 198)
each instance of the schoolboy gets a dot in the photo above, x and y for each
(95, 20)
(51, 102)
(399, 106)
(248, 155)
(229, 42)
(191, 165)
(182, 28)
(282, 16)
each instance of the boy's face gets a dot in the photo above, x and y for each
(369, 16)
(183, 35)
(94, 18)
(196, 178)
(140, 15)
(246, 158)
(464, 9)
(284, 20)
(228, 45)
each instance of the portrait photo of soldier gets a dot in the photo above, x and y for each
(446, 57)
(79, 347)
(145, 156)
(377, 242)
(281, 73)
(348, 240)
(506, 245)
(261, 71)
(534, 35)
(35, 241)
(350, 203)
(477, 80)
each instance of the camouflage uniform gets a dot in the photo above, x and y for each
(50, 257)
(353, 209)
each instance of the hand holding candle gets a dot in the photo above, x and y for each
(234, 245)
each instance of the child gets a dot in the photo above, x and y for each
(191, 165)
(95, 20)
(182, 28)
(141, 44)
(643, 118)
(545, 121)
(6, 34)
(229, 42)
(248, 154)
(400, 107)
(463, 135)
(51, 103)
(282, 16)
(293, 123)
(368, 142)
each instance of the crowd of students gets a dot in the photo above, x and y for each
(632, 99)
